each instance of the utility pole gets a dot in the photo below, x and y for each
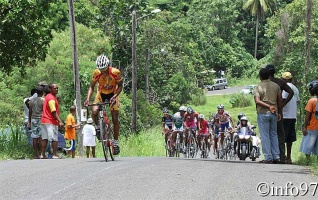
(134, 74)
(147, 74)
(76, 74)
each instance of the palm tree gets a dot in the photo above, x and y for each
(258, 7)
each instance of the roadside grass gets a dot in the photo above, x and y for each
(147, 143)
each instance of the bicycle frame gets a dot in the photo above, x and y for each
(106, 132)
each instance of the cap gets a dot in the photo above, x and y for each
(90, 121)
(270, 68)
(287, 75)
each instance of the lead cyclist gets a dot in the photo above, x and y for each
(178, 125)
(110, 85)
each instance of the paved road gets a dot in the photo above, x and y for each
(229, 90)
(147, 178)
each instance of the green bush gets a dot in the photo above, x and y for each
(240, 100)
(198, 97)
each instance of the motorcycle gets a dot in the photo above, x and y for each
(244, 143)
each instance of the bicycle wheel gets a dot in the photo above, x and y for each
(102, 138)
(168, 148)
(204, 149)
(177, 147)
(110, 147)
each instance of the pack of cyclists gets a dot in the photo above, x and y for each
(187, 121)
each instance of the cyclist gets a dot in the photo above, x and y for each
(215, 130)
(178, 124)
(225, 121)
(203, 131)
(110, 85)
(190, 122)
(167, 124)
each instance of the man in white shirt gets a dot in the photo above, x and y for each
(26, 114)
(290, 115)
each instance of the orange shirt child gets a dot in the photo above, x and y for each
(70, 133)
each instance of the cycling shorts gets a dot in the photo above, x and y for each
(178, 129)
(168, 127)
(223, 126)
(203, 132)
(100, 97)
(191, 125)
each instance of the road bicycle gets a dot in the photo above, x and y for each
(229, 149)
(192, 144)
(106, 132)
(178, 144)
(204, 146)
(170, 149)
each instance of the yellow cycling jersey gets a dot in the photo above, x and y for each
(107, 82)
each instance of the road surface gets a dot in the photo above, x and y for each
(152, 178)
(229, 90)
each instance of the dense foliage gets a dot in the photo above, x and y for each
(184, 39)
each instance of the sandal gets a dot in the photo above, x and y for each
(55, 157)
(266, 161)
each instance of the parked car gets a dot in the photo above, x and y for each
(219, 83)
(248, 89)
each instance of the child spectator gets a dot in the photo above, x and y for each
(89, 137)
(70, 130)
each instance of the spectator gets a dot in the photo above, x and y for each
(26, 115)
(280, 128)
(89, 137)
(50, 121)
(309, 143)
(35, 115)
(70, 130)
(290, 115)
(268, 100)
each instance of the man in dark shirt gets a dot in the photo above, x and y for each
(280, 128)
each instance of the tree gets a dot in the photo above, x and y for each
(25, 39)
(258, 7)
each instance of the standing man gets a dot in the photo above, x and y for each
(280, 128)
(26, 115)
(110, 85)
(35, 115)
(268, 98)
(50, 121)
(290, 115)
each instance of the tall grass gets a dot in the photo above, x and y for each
(14, 144)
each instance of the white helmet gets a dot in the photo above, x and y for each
(244, 118)
(102, 62)
(183, 108)
(201, 116)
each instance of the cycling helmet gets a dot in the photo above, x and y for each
(190, 110)
(201, 116)
(102, 62)
(244, 118)
(221, 106)
(240, 115)
(165, 110)
(313, 87)
(183, 108)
